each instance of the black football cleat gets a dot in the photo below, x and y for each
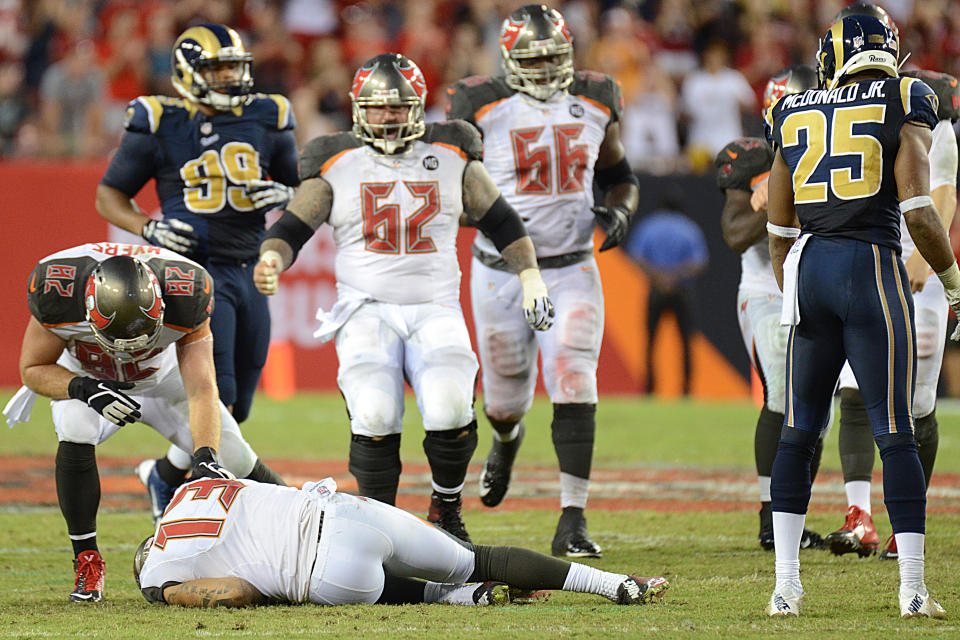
(495, 477)
(445, 514)
(571, 539)
(809, 539)
(635, 590)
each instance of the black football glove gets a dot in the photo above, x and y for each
(205, 465)
(614, 220)
(172, 234)
(107, 398)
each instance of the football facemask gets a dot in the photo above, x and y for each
(795, 79)
(537, 50)
(389, 80)
(211, 67)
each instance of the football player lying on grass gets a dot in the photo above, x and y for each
(237, 543)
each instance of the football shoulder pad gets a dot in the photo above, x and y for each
(320, 153)
(741, 162)
(470, 96)
(187, 291)
(458, 134)
(56, 287)
(272, 109)
(599, 88)
(946, 88)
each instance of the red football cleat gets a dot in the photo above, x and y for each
(856, 535)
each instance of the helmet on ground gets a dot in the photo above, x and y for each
(537, 49)
(854, 44)
(199, 54)
(389, 80)
(124, 305)
(140, 557)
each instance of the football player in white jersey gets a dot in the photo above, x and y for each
(233, 543)
(118, 334)
(548, 132)
(393, 189)
(743, 167)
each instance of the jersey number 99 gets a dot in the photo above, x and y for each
(864, 148)
(218, 178)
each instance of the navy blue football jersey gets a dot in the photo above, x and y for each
(841, 146)
(202, 165)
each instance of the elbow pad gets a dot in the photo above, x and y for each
(501, 224)
(619, 173)
(292, 230)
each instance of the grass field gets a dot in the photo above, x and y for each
(703, 537)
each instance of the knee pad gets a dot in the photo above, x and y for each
(575, 382)
(446, 398)
(449, 452)
(508, 353)
(929, 332)
(579, 327)
(374, 412)
(236, 454)
(924, 399)
(375, 463)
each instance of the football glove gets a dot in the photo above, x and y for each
(614, 220)
(537, 307)
(951, 289)
(205, 465)
(172, 234)
(267, 193)
(107, 398)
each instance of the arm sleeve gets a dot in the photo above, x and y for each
(943, 156)
(134, 163)
(283, 165)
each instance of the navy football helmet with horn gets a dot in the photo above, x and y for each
(854, 44)
(199, 55)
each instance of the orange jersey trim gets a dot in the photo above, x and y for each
(329, 163)
(54, 325)
(200, 333)
(598, 105)
(482, 111)
(757, 179)
(178, 328)
(453, 148)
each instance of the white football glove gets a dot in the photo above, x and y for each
(537, 307)
(172, 234)
(951, 289)
(267, 193)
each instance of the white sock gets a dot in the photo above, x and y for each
(858, 493)
(573, 491)
(787, 531)
(584, 579)
(763, 482)
(450, 491)
(179, 458)
(509, 437)
(449, 593)
(910, 559)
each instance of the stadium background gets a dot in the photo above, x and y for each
(67, 70)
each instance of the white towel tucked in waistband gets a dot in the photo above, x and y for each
(348, 301)
(20, 406)
(790, 312)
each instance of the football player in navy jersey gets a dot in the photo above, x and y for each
(222, 157)
(850, 158)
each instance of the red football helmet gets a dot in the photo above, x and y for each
(124, 305)
(389, 79)
(537, 49)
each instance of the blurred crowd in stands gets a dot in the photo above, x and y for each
(692, 71)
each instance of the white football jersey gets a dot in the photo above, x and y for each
(265, 534)
(541, 154)
(943, 171)
(395, 217)
(56, 300)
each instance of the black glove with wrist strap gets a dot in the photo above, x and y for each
(614, 220)
(205, 465)
(107, 398)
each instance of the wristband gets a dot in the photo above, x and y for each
(916, 202)
(782, 232)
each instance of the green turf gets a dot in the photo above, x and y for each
(720, 578)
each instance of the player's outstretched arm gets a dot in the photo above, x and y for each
(486, 208)
(781, 216)
(742, 227)
(38, 362)
(195, 356)
(214, 592)
(309, 208)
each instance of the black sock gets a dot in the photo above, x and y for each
(573, 430)
(855, 440)
(790, 478)
(765, 439)
(904, 493)
(927, 433)
(263, 473)
(518, 567)
(815, 461)
(449, 453)
(169, 473)
(78, 491)
(376, 466)
(401, 590)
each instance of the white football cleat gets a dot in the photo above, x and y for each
(785, 601)
(916, 605)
